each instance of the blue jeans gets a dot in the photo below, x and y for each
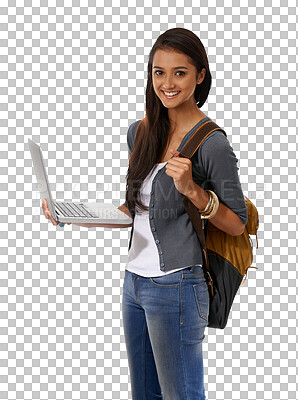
(164, 319)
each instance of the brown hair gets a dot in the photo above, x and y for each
(153, 133)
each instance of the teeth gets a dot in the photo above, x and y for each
(171, 93)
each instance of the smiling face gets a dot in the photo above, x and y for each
(174, 79)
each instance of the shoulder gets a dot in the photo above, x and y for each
(134, 125)
(217, 137)
(215, 146)
(131, 133)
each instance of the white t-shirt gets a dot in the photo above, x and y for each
(143, 258)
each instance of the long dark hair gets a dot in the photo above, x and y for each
(153, 133)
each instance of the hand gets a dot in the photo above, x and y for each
(47, 213)
(180, 169)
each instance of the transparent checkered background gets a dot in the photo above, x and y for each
(73, 78)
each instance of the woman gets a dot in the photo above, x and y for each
(165, 301)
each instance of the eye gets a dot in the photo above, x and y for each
(180, 72)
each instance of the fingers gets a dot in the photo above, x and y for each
(50, 217)
(45, 209)
(172, 168)
(54, 222)
(44, 205)
(179, 161)
(178, 166)
(47, 212)
(175, 152)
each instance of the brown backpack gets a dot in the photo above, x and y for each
(226, 258)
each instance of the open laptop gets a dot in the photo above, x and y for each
(82, 212)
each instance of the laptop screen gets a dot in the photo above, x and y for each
(41, 176)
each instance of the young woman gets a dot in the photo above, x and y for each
(165, 301)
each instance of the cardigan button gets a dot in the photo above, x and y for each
(162, 264)
(157, 241)
(153, 229)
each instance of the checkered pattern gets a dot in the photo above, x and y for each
(73, 77)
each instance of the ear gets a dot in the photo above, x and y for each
(201, 76)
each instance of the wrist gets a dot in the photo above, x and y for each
(199, 197)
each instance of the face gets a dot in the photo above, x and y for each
(168, 79)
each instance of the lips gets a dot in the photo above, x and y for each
(171, 97)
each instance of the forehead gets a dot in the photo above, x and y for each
(170, 58)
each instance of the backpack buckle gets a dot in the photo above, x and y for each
(209, 282)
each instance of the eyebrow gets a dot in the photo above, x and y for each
(173, 68)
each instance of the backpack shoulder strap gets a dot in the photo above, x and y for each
(198, 137)
(195, 140)
(188, 151)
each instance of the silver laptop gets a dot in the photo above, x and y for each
(82, 212)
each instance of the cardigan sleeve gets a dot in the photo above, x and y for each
(130, 140)
(219, 164)
(130, 137)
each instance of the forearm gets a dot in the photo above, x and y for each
(224, 219)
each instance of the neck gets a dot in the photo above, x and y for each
(183, 122)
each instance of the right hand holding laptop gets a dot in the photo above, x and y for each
(47, 213)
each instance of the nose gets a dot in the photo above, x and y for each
(168, 83)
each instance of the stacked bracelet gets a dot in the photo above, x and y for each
(209, 204)
(212, 206)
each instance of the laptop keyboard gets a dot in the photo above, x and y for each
(74, 210)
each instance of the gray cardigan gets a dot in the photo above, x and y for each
(214, 167)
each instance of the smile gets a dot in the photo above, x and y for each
(170, 95)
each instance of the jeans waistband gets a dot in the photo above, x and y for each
(193, 268)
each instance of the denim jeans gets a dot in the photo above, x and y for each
(164, 319)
